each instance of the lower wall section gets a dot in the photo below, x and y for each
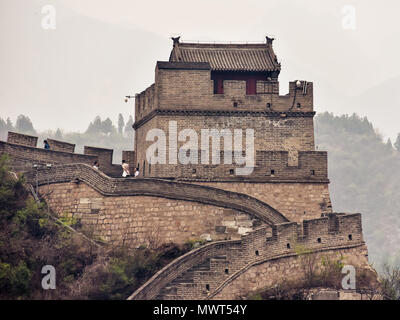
(296, 201)
(135, 220)
(269, 273)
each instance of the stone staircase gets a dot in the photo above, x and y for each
(200, 280)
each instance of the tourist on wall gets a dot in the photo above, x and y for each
(96, 165)
(46, 145)
(125, 168)
(136, 172)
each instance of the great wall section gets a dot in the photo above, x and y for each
(254, 225)
(262, 242)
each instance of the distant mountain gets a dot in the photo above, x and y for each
(365, 177)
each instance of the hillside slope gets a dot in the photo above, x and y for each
(365, 177)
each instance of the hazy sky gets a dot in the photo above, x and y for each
(102, 50)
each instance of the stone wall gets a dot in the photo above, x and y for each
(291, 134)
(270, 166)
(23, 158)
(225, 263)
(136, 220)
(189, 86)
(110, 187)
(296, 201)
(57, 145)
(24, 155)
(104, 158)
(277, 271)
(22, 139)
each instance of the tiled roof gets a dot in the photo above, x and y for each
(228, 57)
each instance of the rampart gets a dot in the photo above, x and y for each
(57, 145)
(227, 260)
(25, 157)
(186, 86)
(153, 187)
(22, 139)
(24, 154)
(270, 166)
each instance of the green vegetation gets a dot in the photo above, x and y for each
(29, 240)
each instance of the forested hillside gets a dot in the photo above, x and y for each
(365, 177)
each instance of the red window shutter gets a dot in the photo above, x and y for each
(251, 86)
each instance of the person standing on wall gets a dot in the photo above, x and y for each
(46, 145)
(96, 165)
(125, 168)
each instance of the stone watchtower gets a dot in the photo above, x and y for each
(223, 88)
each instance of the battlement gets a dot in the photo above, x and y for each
(310, 166)
(22, 139)
(57, 145)
(189, 86)
(24, 154)
(334, 232)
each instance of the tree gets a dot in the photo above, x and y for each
(3, 125)
(121, 123)
(95, 126)
(58, 135)
(108, 127)
(397, 143)
(390, 282)
(129, 124)
(10, 126)
(24, 125)
(389, 144)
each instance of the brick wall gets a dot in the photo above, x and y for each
(24, 157)
(269, 166)
(57, 145)
(158, 188)
(269, 273)
(192, 88)
(296, 201)
(271, 134)
(22, 139)
(136, 220)
(226, 263)
(183, 92)
(105, 158)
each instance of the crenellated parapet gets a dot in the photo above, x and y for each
(188, 86)
(157, 188)
(270, 166)
(25, 155)
(222, 262)
(22, 139)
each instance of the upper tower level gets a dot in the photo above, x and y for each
(222, 77)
